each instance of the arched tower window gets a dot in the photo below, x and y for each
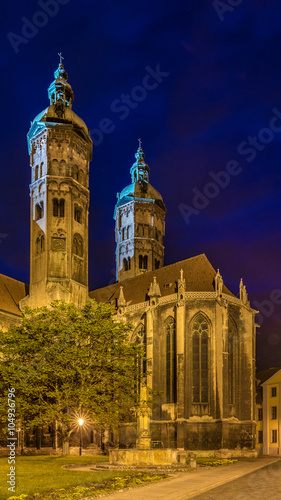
(75, 172)
(170, 331)
(200, 359)
(36, 172)
(127, 264)
(58, 207)
(40, 244)
(77, 214)
(157, 264)
(61, 207)
(232, 334)
(39, 210)
(143, 260)
(77, 246)
(55, 207)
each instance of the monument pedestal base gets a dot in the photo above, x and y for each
(143, 457)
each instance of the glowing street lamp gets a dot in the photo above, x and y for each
(80, 422)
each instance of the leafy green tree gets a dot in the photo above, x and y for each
(64, 362)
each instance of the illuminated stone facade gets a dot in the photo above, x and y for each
(140, 224)
(60, 151)
(199, 337)
(200, 347)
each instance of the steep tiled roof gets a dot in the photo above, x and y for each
(11, 292)
(198, 272)
(266, 374)
(262, 377)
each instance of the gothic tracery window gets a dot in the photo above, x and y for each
(170, 331)
(232, 332)
(200, 359)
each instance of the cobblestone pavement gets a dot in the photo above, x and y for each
(206, 483)
(263, 484)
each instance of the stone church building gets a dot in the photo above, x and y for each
(199, 337)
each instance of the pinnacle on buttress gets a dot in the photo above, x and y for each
(154, 290)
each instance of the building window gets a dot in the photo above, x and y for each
(77, 245)
(260, 414)
(77, 214)
(39, 210)
(260, 437)
(170, 361)
(128, 232)
(274, 435)
(123, 233)
(273, 412)
(41, 170)
(75, 173)
(157, 264)
(143, 261)
(36, 172)
(232, 334)
(58, 207)
(273, 392)
(127, 264)
(200, 359)
(40, 244)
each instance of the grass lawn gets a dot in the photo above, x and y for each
(43, 473)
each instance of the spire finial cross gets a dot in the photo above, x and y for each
(139, 143)
(61, 58)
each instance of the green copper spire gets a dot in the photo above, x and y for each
(60, 92)
(140, 170)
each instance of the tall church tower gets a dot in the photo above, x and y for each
(60, 150)
(140, 224)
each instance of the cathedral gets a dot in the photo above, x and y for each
(199, 336)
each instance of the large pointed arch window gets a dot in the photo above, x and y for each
(232, 333)
(200, 359)
(170, 331)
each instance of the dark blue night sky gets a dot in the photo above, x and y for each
(209, 115)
